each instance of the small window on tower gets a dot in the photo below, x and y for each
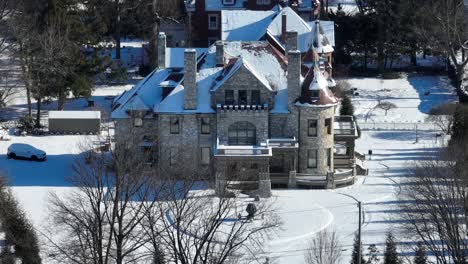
(312, 128)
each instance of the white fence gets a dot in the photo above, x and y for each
(394, 126)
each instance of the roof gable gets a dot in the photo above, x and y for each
(240, 66)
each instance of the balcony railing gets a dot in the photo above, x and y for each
(232, 107)
(345, 126)
(223, 149)
(283, 142)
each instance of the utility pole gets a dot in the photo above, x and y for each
(359, 235)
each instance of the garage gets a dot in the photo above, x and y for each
(82, 122)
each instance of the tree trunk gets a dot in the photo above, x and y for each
(62, 99)
(117, 34)
(38, 114)
(26, 79)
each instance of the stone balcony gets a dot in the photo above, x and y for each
(263, 149)
(224, 149)
(345, 126)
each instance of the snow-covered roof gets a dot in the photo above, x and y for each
(316, 90)
(175, 56)
(245, 25)
(74, 115)
(293, 23)
(328, 28)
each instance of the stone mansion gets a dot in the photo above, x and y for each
(247, 115)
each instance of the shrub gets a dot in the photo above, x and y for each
(390, 75)
(347, 108)
(26, 123)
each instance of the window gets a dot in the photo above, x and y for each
(312, 158)
(229, 97)
(314, 93)
(242, 97)
(205, 125)
(228, 2)
(213, 21)
(173, 156)
(255, 100)
(205, 156)
(242, 133)
(312, 128)
(328, 127)
(263, 2)
(175, 125)
(329, 157)
(148, 153)
(138, 122)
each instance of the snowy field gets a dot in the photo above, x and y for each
(304, 212)
(414, 96)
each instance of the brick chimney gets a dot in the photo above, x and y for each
(161, 50)
(290, 42)
(284, 21)
(219, 53)
(294, 76)
(190, 79)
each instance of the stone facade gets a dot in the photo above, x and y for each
(242, 144)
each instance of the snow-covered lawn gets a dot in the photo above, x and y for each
(304, 212)
(414, 96)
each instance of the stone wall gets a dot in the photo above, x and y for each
(321, 142)
(243, 80)
(187, 144)
(257, 118)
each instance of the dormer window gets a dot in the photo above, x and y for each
(228, 2)
(314, 93)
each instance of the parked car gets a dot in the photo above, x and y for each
(25, 151)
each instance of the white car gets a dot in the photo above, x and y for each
(25, 151)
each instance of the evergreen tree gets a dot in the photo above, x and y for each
(355, 254)
(459, 130)
(420, 254)
(391, 255)
(347, 107)
(372, 255)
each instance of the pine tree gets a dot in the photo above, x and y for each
(372, 255)
(459, 130)
(420, 254)
(355, 255)
(347, 107)
(391, 255)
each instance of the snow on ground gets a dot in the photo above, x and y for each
(413, 95)
(304, 212)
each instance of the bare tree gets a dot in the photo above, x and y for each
(442, 25)
(324, 248)
(386, 106)
(101, 221)
(126, 210)
(442, 116)
(8, 86)
(434, 205)
(199, 227)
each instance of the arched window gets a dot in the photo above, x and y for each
(242, 133)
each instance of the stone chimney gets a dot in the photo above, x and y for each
(219, 53)
(284, 21)
(290, 41)
(161, 50)
(294, 76)
(190, 79)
